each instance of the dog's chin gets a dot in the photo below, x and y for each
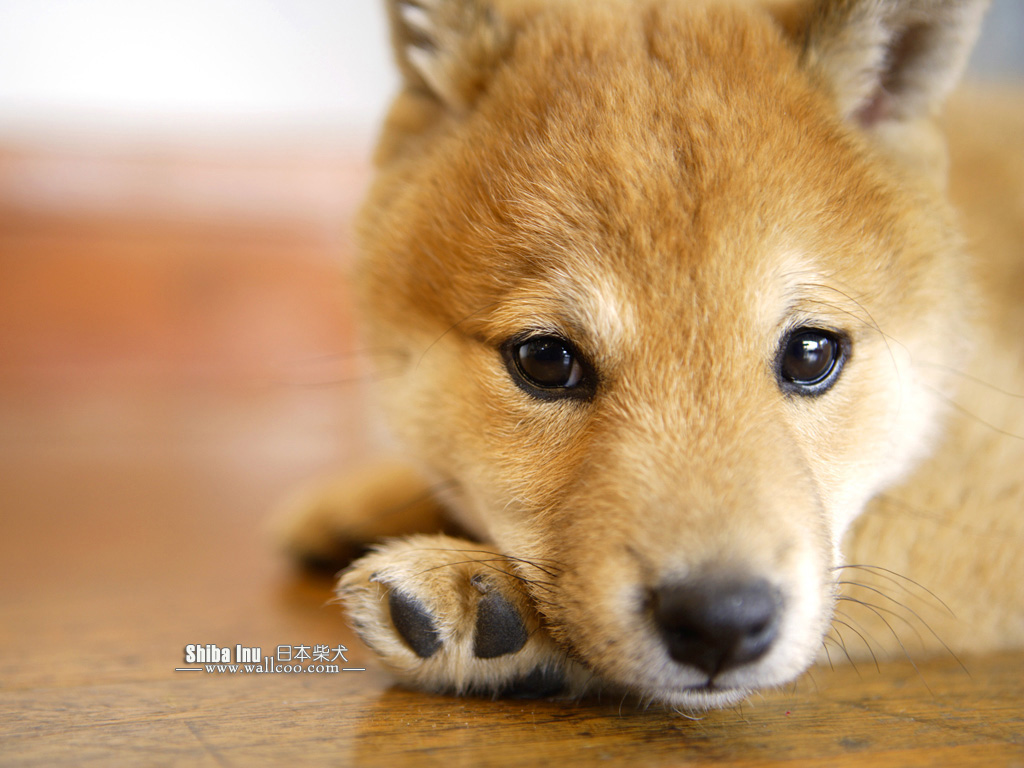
(700, 697)
(690, 691)
(698, 700)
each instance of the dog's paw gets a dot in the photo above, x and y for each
(327, 524)
(449, 615)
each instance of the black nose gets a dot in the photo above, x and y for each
(715, 624)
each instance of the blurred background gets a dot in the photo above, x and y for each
(176, 185)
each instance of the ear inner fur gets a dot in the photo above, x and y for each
(447, 48)
(890, 59)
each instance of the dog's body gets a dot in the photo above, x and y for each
(674, 294)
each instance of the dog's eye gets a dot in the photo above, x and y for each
(548, 367)
(810, 360)
(549, 362)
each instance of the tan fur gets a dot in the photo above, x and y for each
(674, 186)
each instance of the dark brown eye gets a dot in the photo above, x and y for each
(549, 367)
(549, 362)
(810, 360)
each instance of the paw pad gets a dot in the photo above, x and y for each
(499, 627)
(414, 624)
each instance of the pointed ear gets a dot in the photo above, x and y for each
(890, 60)
(447, 49)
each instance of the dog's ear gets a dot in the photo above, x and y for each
(889, 60)
(447, 49)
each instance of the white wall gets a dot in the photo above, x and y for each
(162, 67)
(166, 68)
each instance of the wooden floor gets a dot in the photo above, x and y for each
(165, 378)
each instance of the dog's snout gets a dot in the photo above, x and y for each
(715, 624)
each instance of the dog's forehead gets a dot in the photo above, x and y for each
(670, 152)
(671, 142)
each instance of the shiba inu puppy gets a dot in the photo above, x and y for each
(671, 294)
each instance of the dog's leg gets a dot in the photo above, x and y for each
(328, 524)
(450, 615)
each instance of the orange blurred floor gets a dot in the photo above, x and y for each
(167, 373)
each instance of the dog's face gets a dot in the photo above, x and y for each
(657, 292)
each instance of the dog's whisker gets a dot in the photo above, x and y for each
(489, 563)
(431, 492)
(842, 647)
(961, 409)
(876, 608)
(912, 612)
(813, 679)
(532, 561)
(899, 580)
(893, 613)
(866, 323)
(864, 640)
(904, 508)
(878, 611)
(828, 655)
(968, 377)
(886, 338)
(451, 328)
(358, 365)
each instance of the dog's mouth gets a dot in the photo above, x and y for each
(681, 689)
(687, 695)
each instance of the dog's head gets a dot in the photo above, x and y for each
(657, 276)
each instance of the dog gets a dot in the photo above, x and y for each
(684, 338)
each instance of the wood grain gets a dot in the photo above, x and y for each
(132, 512)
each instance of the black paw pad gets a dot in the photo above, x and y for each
(499, 627)
(539, 684)
(414, 624)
